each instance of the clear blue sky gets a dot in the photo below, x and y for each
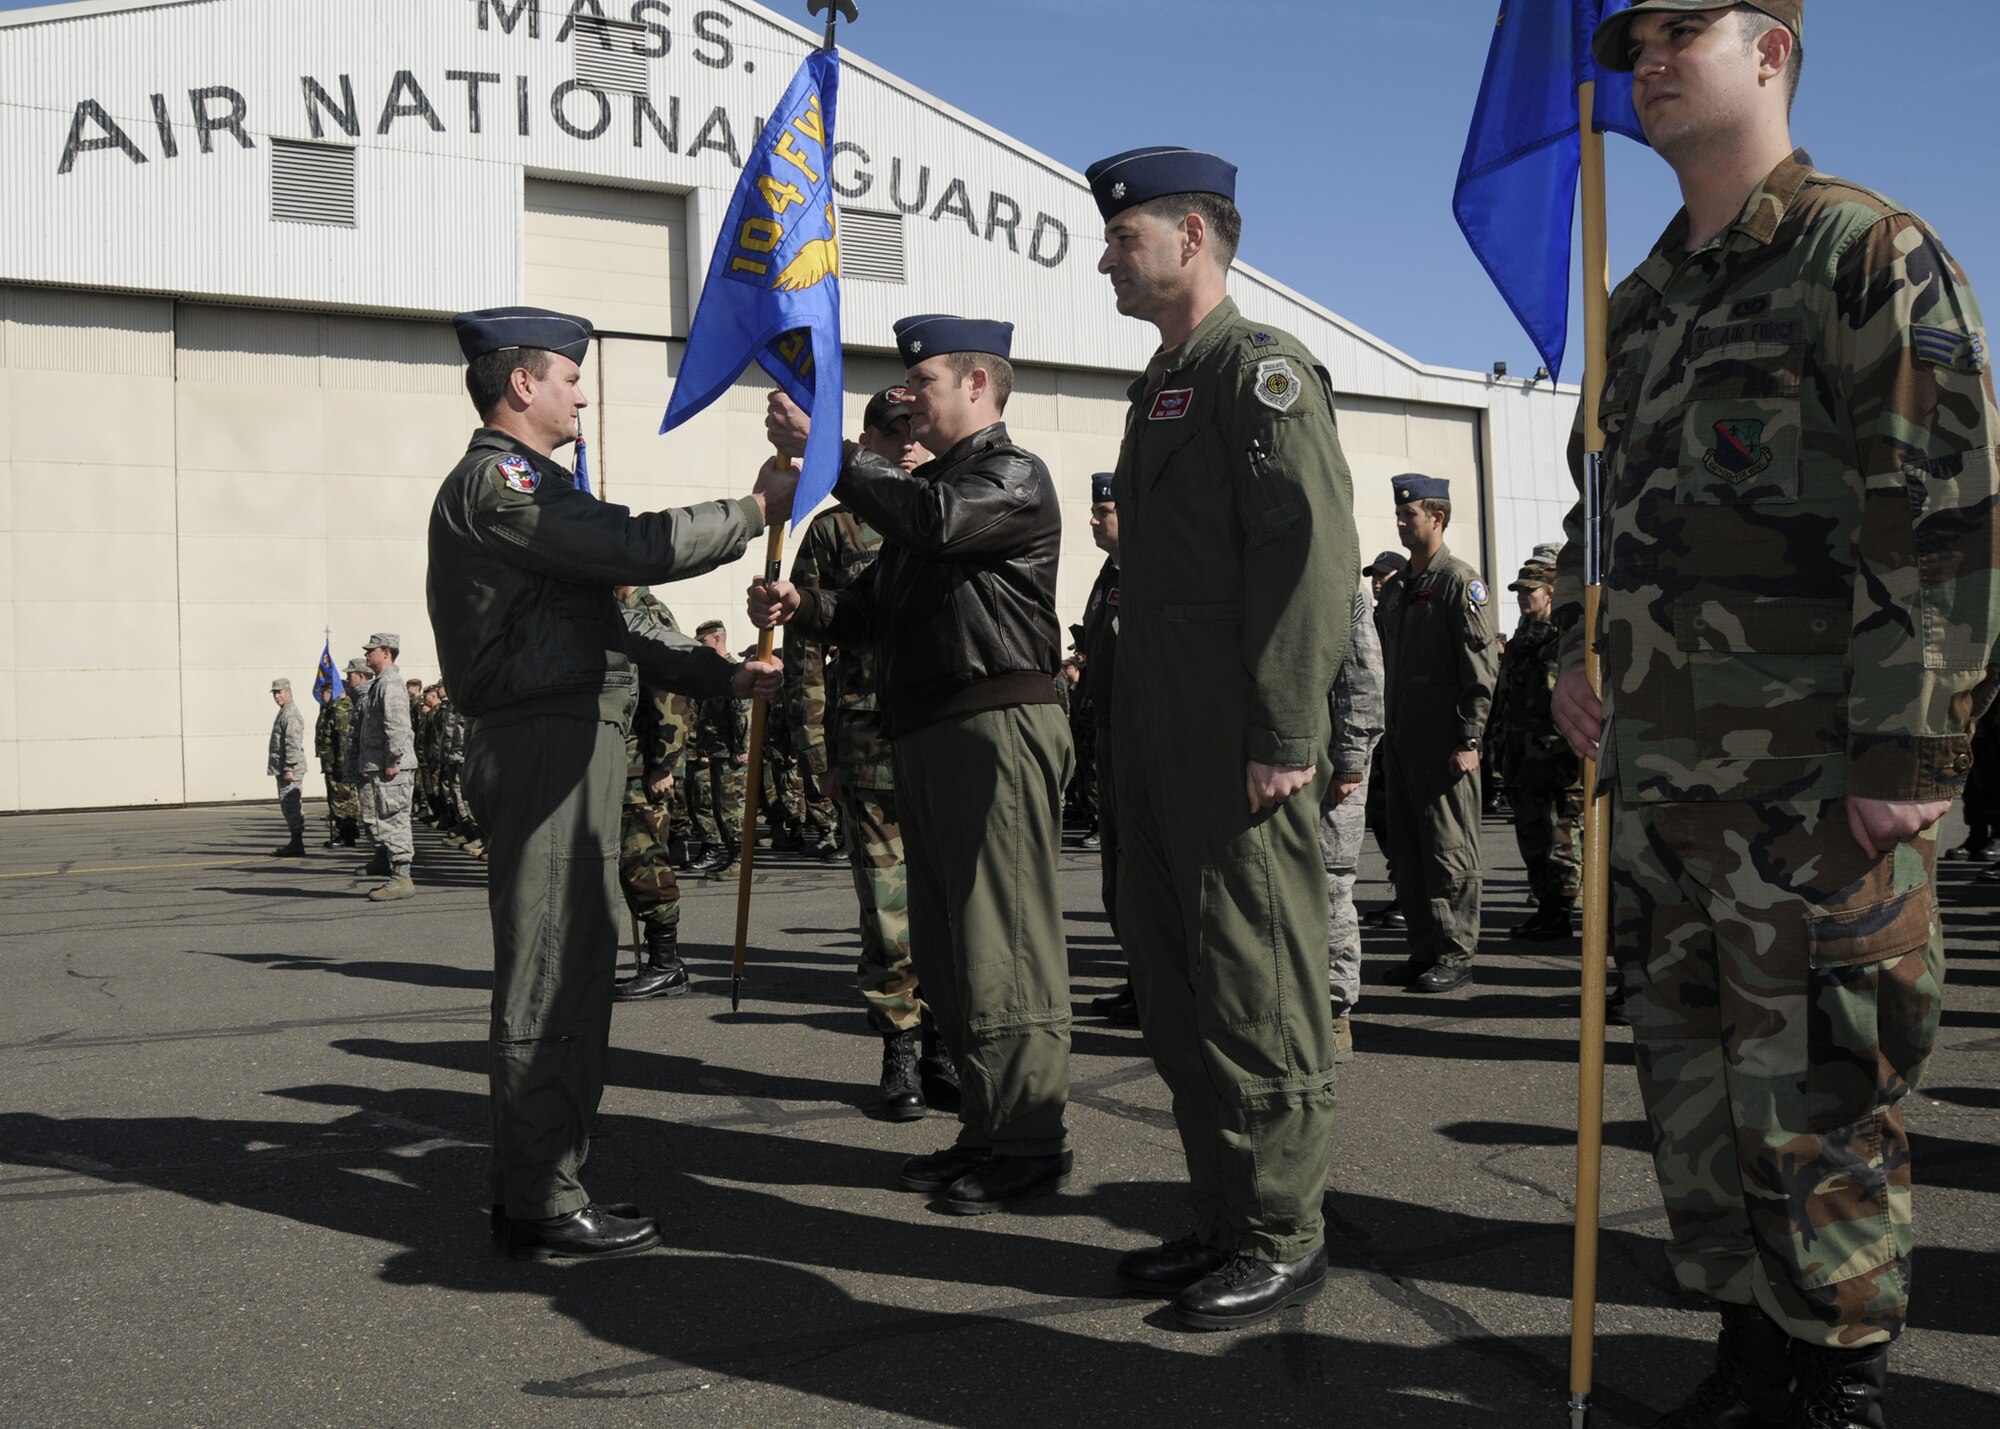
(1347, 117)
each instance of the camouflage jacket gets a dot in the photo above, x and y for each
(831, 692)
(330, 736)
(1354, 705)
(721, 728)
(1532, 752)
(382, 734)
(1800, 598)
(452, 729)
(660, 724)
(288, 742)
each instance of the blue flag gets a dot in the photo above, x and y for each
(1516, 192)
(328, 678)
(773, 290)
(582, 472)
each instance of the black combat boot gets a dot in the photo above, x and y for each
(295, 849)
(1838, 1389)
(939, 1074)
(1751, 1385)
(1550, 923)
(711, 860)
(902, 1084)
(661, 973)
(350, 833)
(377, 865)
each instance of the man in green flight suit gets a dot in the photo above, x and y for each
(1798, 623)
(837, 729)
(960, 607)
(522, 564)
(1237, 571)
(1438, 665)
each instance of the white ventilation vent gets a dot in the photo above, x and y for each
(610, 54)
(312, 183)
(871, 245)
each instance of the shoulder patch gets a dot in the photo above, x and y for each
(519, 473)
(1278, 387)
(1475, 591)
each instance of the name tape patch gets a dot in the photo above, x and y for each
(1172, 406)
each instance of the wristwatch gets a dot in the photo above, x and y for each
(1470, 746)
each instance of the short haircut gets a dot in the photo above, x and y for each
(1439, 509)
(1225, 224)
(1757, 23)
(487, 376)
(998, 368)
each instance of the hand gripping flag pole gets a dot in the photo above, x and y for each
(773, 297)
(1537, 130)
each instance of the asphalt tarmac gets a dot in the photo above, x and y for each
(243, 1180)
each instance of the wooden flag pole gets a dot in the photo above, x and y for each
(774, 557)
(1597, 817)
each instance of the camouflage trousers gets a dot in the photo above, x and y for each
(385, 807)
(292, 804)
(715, 801)
(680, 822)
(342, 801)
(821, 817)
(1548, 826)
(1341, 827)
(884, 973)
(1784, 990)
(781, 804)
(652, 893)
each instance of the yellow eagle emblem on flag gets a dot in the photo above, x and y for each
(815, 262)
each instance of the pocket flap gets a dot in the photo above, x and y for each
(1761, 625)
(1856, 936)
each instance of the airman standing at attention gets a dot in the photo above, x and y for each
(1439, 666)
(1237, 568)
(287, 765)
(658, 732)
(386, 761)
(1798, 622)
(1099, 646)
(721, 745)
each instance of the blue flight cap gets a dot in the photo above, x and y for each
(1140, 175)
(494, 329)
(1412, 487)
(1100, 488)
(932, 334)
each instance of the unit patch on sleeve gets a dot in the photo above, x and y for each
(1277, 385)
(1475, 591)
(519, 473)
(1172, 406)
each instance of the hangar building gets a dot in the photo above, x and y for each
(228, 390)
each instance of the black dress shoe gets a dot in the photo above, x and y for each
(1005, 1181)
(1444, 977)
(497, 1219)
(1379, 917)
(902, 1084)
(1245, 1291)
(1170, 1268)
(593, 1233)
(937, 1171)
(1970, 852)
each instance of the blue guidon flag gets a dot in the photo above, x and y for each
(773, 289)
(1516, 192)
(328, 677)
(582, 472)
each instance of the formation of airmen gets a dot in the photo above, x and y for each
(1799, 613)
